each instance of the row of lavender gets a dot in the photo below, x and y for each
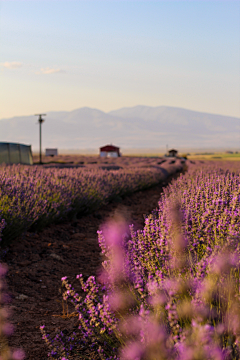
(170, 291)
(31, 198)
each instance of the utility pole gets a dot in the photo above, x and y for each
(40, 120)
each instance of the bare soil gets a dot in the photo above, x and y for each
(37, 261)
(105, 163)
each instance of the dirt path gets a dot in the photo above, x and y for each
(38, 261)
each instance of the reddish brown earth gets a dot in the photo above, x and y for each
(37, 261)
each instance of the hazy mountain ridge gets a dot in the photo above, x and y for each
(139, 126)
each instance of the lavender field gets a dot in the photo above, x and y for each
(33, 197)
(170, 291)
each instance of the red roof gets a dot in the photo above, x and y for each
(109, 148)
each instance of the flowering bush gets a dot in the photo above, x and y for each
(170, 291)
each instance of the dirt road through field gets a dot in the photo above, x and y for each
(37, 261)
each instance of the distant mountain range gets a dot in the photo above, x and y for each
(135, 127)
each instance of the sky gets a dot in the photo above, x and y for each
(62, 55)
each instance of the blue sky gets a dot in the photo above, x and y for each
(63, 55)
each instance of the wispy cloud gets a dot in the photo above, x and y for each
(12, 64)
(49, 71)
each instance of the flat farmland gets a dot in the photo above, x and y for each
(151, 271)
(39, 253)
(34, 196)
(38, 261)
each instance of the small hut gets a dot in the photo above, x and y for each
(172, 153)
(51, 152)
(109, 151)
(14, 153)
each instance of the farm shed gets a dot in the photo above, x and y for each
(51, 152)
(172, 152)
(14, 153)
(110, 151)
